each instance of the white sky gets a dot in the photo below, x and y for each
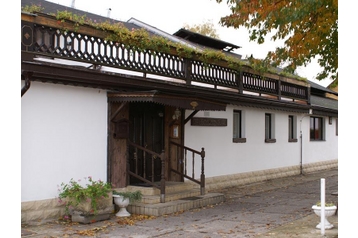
(170, 16)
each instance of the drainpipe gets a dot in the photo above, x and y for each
(301, 172)
(27, 84)
(301, 141)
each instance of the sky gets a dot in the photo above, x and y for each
(170, 16)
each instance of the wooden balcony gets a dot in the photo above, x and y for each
(43, 35)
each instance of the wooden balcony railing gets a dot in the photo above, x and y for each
(44, 35)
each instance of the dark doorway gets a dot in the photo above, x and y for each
(147, 130)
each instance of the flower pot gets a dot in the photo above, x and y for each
(122, 203)
(86, 204)
(328, 211)
(83, 212)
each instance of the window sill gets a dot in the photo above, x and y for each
(270, 140)
(292, 140)
(239, 140)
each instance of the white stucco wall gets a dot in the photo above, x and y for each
(225, 157)
(63, 136)
(316, 151)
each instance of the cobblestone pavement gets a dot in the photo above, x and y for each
(275, 208)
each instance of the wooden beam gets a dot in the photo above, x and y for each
(190, 116)
(118, 110)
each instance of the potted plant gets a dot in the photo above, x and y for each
(123, 199)
(329, 210)
(89, 203)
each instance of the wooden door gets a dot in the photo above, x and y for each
(147, 130)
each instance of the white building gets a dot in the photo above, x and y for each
(77, 114)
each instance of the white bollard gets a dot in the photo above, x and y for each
(323, 204)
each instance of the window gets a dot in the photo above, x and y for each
(292, 128)
(269, 128)
(237, 124)
(316, 128)
(238, 133)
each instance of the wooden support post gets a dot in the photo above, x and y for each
(202, 176)
(162, 181)
(240, 81)
(187, 71)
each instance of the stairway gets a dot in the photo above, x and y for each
(180, 196)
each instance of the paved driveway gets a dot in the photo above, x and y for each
(275, 208)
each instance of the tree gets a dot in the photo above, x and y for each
(206, 28)
(309, 29)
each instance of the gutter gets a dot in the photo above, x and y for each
(301, 141)
(27, 84)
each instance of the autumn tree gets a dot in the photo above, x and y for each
(206, 28)
(309, 29)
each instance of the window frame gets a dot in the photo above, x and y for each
(237, 130)
(317, 124)
(292, 128)
(269, 128)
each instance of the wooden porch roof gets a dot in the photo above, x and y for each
(180, 101)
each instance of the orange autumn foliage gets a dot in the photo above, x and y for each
(309, 29)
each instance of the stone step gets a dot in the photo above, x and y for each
(152, 199)
(179, 196)
(179, 205)
(170, 187)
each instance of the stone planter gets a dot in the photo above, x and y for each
(122, 203)
(83, 212)
(329, 211)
